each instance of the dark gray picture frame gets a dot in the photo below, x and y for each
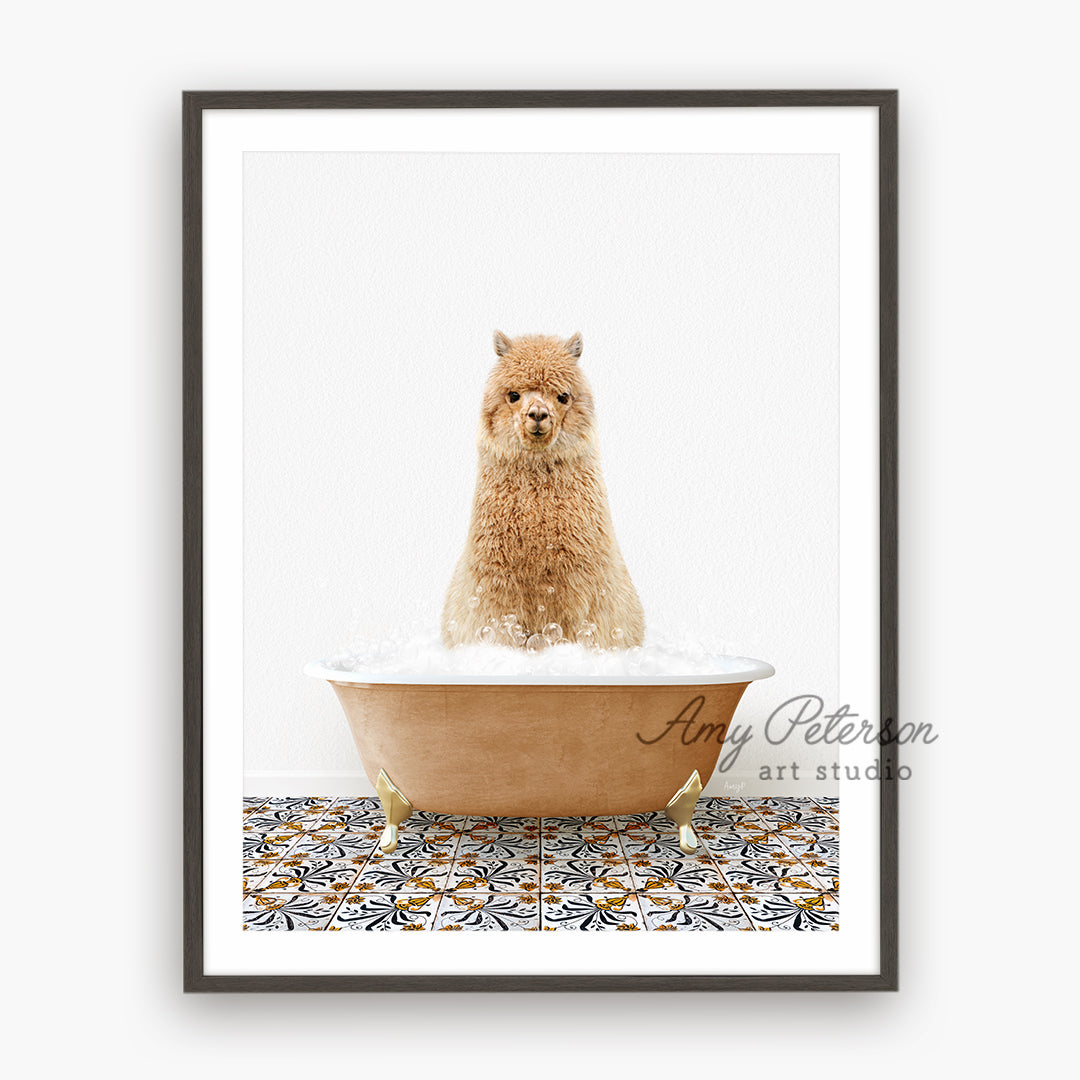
(195, 103)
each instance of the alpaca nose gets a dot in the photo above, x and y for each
(538, 414)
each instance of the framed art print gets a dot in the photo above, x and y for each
(540, 540)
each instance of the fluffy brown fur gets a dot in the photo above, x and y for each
(541, 544)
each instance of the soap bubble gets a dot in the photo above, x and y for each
(551, 589)
(540, 607)
(617, 635)
(587, 635)
(479, 589)
(551, 547)
(474, 601)
(669, 649)
(603, 592)
(509, 620)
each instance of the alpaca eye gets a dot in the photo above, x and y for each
(564, 398)
(513, 395)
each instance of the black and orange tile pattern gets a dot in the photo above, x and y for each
(313, 863)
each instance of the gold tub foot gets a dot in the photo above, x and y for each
(681, 810)
(396, 808)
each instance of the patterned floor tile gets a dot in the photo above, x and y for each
(498, 845)
(390, 874)
(587, 875)
(426, 819)
(356, 802)
(727, 819)
(336, 845)
(427, 844)
(828, 873)
(308, 803)
(267, 820)
(724, 804)
(595, 833)
(734, 845)
(567, 844)
(258, 845)
(791, 911)
(801, 845)
(579, 824)
(651, 822)
(693, 911)
(311, 876)
(385, 911)
(253, 835)
(776, 875)
(331, 828)
(745, 825)
(590, 911)
(764, 864)
(799, 821)
(503, 824)
(487, 911)
(284, 911)
(431, 833)
(442, 857)
(820, 864)
(829, 803)
(662, 846)
(773, 802)
(473, 874)
(683, 875)
(354, 817)
(254, 872)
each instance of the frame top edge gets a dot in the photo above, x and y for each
(450, 99)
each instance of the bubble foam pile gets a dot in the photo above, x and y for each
(425, 654)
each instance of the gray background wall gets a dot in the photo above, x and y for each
(706, 287)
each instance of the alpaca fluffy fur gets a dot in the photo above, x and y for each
(540, 518)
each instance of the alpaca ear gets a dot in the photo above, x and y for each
(502, 343)
(573, 346)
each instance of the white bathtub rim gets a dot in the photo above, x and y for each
(750, 671)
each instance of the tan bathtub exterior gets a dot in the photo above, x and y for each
(539, 750)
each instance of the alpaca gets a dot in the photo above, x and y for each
(541, 546)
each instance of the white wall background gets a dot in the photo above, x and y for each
(92, 448)
(706, 287)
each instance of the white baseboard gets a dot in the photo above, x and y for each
(749, 785)
(345, 782)
(297, 782)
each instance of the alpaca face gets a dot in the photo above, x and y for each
(537, 401)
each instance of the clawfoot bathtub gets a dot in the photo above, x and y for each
(540, 746)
